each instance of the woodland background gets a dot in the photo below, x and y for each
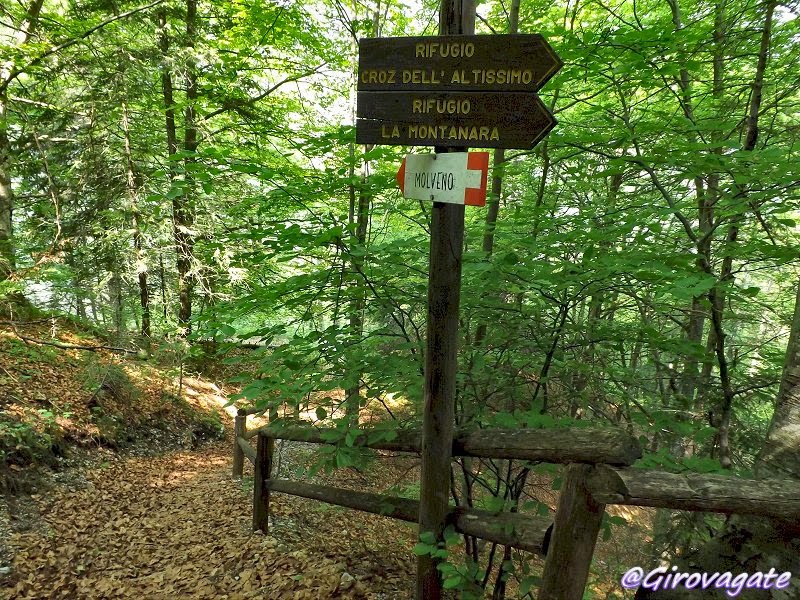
(187, 171)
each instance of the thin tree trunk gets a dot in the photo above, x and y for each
(7, 262)
(182, 210)
(163, 277)
(180, 214)
(587, 380)
(498, 162)
(359, 216)
(705, 205)
(358, 219)
(138, 238)
(7, 69)
(717, 295)
(115, 299)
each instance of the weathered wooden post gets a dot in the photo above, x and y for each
(456, 17)
(577, 524)
(263, 471)
(239, 428)
(449, 91)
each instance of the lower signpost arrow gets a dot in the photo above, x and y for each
(455, 178)
(453, 119)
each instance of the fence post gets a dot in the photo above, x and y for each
(577, 524)
(239, 428)
(263, 470)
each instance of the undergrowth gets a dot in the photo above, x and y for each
(54, 399)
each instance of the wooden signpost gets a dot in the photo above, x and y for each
(482, 119)
(454, 91)
(451, 91)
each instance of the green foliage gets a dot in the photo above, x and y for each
(33, 437)
(408, 490)
(207, 426)
(30, 353)
(109, 379)
(464, 578)
(606, 525)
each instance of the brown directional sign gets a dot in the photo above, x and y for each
(454, 90)
(456, 63)
(465, 119)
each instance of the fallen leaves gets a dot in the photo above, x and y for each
(173, 526)
(178, 527)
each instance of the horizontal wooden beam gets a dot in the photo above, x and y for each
(525, 532)
(563, 445)
(403, 509)
(512, 529)
(406, 440)
(559, 445)
(774, 498)
(248, 450)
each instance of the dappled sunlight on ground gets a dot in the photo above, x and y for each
(178, 527)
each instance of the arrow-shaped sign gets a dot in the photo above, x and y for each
(455, 177)
(464, 119)
(519, 62)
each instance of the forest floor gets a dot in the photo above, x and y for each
(137, 500)
(117, 481)
(178, 526)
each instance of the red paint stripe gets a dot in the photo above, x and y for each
(477, 161)
(401, 176)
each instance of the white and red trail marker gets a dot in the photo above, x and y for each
(454, 177)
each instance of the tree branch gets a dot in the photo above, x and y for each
(17, 71)
(65, 346)
(249, 101)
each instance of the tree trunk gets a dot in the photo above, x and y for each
(7, 263)
(138, 238)
(750, 544)
(359, 218)
(182, 211)
(780, 454)
(498, 162)
(24, 31)
(115, 299)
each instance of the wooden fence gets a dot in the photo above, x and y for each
(598, 473)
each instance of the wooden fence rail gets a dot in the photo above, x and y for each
(589, 485)
(562, 446)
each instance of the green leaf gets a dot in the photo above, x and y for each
(428, 537)
(421, 549)
(450, 536)
(322, 414)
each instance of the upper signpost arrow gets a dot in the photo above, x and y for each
(521, 62)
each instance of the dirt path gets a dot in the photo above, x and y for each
(178, 526)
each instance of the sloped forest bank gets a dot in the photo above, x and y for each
(99, 500)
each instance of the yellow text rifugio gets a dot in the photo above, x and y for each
(449, 50)
(452, 106)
